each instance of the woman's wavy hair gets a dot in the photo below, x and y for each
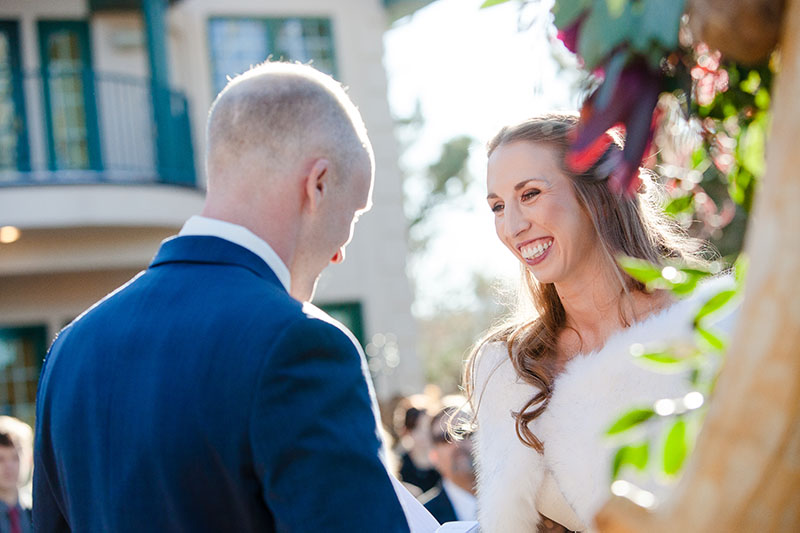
(633, 226)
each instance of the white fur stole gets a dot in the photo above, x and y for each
(588, 396)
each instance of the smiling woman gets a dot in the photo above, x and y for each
(546, 384)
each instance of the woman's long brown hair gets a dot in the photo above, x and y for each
(636, 227)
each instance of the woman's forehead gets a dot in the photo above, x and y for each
(513, 163)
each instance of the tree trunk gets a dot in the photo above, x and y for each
(743, 30)
(745, 472)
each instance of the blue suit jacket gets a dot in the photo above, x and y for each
(200, 397)
(439, 505)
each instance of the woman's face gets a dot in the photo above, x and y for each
(536, 213)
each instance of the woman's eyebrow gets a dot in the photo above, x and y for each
(524, 182)
(519, 185)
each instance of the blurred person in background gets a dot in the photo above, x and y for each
(453, 498)
(413, 426)
(15, 463)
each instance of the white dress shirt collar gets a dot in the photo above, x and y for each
(198, 225)
(464, 502)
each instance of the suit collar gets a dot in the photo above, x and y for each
(200, 225)
(212, 250)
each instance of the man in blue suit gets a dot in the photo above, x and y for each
(203, 395)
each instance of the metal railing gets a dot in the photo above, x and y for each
(81, 126)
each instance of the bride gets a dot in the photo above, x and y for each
(546, 385)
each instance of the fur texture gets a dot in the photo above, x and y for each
(592, 391)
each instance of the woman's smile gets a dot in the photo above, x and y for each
(535, 251)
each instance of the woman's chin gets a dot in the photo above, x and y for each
(539, 274)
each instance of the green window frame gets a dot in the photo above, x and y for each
(69, 120)
(22, 351)
(237, 43)
(350, 314)
(14, 148)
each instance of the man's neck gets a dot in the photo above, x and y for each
(274, 230)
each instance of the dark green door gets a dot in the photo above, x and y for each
(73, 137)
(14, 154)
(22, 350)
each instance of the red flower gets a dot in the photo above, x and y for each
(634, 95)
(569, 35)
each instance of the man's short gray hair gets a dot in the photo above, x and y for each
(282, 111)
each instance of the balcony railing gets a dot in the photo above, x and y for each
(81, 126)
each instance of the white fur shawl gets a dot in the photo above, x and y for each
(514, 481)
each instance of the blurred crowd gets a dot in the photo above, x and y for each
(16, 475)
(431, 451)
(429, 447)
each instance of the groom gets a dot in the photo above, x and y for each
(201, 396)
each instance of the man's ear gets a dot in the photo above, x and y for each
(316, 182)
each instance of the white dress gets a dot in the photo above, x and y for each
(570, 481)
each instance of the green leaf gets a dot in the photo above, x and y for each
(676, 448)
(762, 99)
(662, 358)
(681, 204)
(684, 288)
(616, 7)
(752, 83)
(629, 420)
(565, 12)
(738, 183)
(601, 34)
(658, 23)
(699, 157)
(696, 273)
(639, 269)
(751, 148)
(714, 303)
(740, 269)
(490, 3)
(634, 455)
(712, 339)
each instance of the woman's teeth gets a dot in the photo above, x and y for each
(532, 251)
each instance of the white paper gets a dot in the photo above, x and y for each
(419, 519)
(459, 527)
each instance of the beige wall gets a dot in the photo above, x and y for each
(65, 206)
(54, 299)
(51, 251)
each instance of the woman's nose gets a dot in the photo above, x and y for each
(516, 223)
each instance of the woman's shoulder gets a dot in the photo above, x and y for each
(498, 389)
(509, 473)
(493, 367)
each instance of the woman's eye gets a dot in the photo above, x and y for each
(497, 208)
(528, 195)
